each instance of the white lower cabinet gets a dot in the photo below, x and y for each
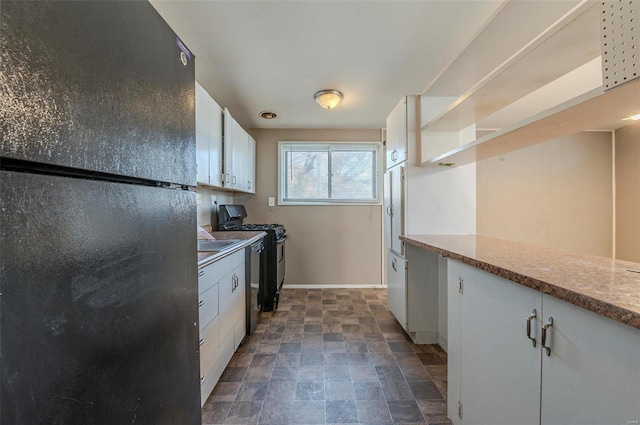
(592, 375)
(397, 287)
(222, 317)
(497, 376)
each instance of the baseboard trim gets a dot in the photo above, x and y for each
(332, 286)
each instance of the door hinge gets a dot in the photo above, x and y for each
(460, 409)
(461, 288)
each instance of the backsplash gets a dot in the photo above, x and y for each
(207, 213)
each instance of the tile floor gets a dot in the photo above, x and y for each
(334, 356)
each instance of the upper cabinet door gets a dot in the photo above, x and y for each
(119, 99)
(239, 154)
(396, 147)
(251, 166)
(227, 148)
(208, 139)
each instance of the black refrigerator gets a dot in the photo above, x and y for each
(98, 283)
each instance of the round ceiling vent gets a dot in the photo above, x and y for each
(268, 115)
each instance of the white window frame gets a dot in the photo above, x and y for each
(333, 146)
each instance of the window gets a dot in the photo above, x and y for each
(327, 173)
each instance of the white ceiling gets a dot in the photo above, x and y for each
(254, 56)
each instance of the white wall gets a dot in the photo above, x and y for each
(628, 193)
(442, 200)
(557, 194)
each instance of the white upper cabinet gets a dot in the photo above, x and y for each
(396, 145)
(208, 139)
(239, 156)
(251, 166)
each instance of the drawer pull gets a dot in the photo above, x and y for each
(533, 315)
(201, 273)
(394, 264)
(201, 303)
(201, 342)
(544, 335)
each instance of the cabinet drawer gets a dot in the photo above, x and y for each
(211, 274)
(208, 304)
(209, 342)
(209, 376)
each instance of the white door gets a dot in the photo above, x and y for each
(239, 153)
(386, 202)
(215, 145)
(251, 166)
(500, 368)
(228, 135)
(397, 287)
(454, 332)
(592, 375)
(203, 114)
(239, 306)
(396, 135)
(227, 317)
(397, 209)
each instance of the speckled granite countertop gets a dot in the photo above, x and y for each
(205, 258)
(602, 285)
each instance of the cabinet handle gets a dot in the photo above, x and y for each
(393, 155)
(226, 178)
(544, 335)
(201, 303)
(394, 264)
(202, 342)
(533, 315)
(248, 184)
(201, 273)
(233, 180)
(389, 211)
(202, 379)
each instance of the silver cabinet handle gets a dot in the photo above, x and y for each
(532, 316)
(202, 342)
(389, 211)
(394, 264)
(233, 180)
(201, 273)
(226, 178)
(201, 303)
(544, 335)
(202, 379)
(393, 155)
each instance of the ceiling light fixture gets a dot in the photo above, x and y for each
(328, 99)
(268, 115)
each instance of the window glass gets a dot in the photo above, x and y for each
(328, 173)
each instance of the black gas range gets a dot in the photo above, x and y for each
(231, 218)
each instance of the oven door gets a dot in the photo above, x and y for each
(280, 255)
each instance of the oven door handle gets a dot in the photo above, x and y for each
(281, 240)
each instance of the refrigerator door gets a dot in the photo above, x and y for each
(98, 305)
(101, 86)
